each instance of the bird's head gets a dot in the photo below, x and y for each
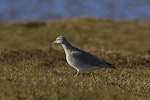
(60, 40)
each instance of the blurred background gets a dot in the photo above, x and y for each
(48, 10)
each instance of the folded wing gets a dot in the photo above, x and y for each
(90, 59)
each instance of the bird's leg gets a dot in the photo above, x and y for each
(76, 74)
(93, 77)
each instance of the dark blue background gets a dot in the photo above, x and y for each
(47, 10)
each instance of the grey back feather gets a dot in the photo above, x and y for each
(87, 58)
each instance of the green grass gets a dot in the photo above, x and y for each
(32, 68)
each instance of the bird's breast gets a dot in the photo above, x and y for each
(68, 58)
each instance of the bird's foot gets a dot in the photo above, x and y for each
(94, 78)
(76, 74)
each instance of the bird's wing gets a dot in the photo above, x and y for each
(90, 59)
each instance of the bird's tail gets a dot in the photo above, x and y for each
(112, 66)
(109, 65)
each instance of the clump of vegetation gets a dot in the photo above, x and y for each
(31, 67)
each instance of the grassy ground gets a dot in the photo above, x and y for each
(32, 68)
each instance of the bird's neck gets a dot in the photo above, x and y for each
(67, 47)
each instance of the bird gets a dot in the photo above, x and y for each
(81, 60)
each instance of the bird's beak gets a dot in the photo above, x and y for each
(54, 42)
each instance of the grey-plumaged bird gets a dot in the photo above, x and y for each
(80, 60)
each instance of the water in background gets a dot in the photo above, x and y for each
(22, 10)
